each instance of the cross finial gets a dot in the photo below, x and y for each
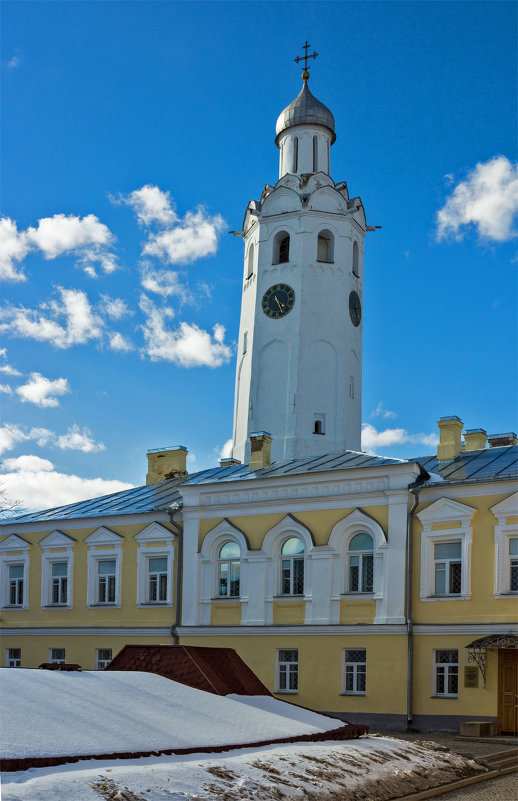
(304, 58)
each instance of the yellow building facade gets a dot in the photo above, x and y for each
(351, 584)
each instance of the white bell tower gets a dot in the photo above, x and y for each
(298, 373)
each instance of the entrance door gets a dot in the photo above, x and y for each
(508, 691)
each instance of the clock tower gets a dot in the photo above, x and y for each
(298, 373)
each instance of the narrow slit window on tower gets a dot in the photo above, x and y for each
(319, 426)
(356, 259)
(295, 154)
(281, 248)
(250, 264)
(315, 154)
(245, 341)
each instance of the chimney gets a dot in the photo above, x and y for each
(228, 462)
(475, 439)
(165, 463)
(450, 432)
(260, 456)
(498, 440)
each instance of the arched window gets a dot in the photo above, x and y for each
(281, 248)
(361, 563)
(250, 265)
(292, 567)
(356, 258)
(229, 561)
(315, 154)
(325, 247)
(295, 154)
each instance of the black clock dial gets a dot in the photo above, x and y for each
(278, 301)
(355, 308)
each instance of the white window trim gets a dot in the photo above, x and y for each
(274, 539)
(7, 658)
(97, 659)
(57, 547)
(344, 691)
(155, 541)
(445, 511)
(358, 522)
(97, 552)
(278, 663)
(435, 664)
(14, 551)
(224, 532)
(55, 662)
(504, 531)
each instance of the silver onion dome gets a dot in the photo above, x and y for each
(305, 109)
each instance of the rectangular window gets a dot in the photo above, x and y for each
(157, 578)
(57, 656)
(16, 585)
(448, 568)
(103, 657)
(447, 673)
(288, 670)
(106, 578)
(292, 578)
(14, 657)
(361, 572)
(355, 671)
(59, 593)
(513, 566)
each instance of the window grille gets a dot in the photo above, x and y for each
(14, 657)
(361, 563)
(292, 567)
(103, 657)
(446, 673)
(106, 573)
(16, 585)
(57, 656)
(513, 567)
(157, 579)
(229, 568)
(288, 670)
(355, 671)
(448, 568)
(59, 594)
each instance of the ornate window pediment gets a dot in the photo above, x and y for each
(57, 540)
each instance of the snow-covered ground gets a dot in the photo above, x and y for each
(59, 713)
(372, 768)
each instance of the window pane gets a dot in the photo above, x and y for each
(111, 589)
(298, 576)
(447, 657)
(234, 579)
(360, 678)
(453, 680)
(361, 542)
(59, 569)
(448, 550)
(292, 546)
(152, 588)
(513, 546)
(349, 679)
(455, 577)
(367, 573)
(223, 578)
(286, 574)
(158, 565)
(162, 588)
(354, 574)
(356, 655)
(439, 683)
(106, 567)
(16, 571)
(513, 584)
(291, 655)
(230, 550)
(294, 677)
(440, 579)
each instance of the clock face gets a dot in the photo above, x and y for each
(355, 308)
(278, 301)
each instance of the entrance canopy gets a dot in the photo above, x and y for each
(477, 650)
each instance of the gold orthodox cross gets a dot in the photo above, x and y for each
(305, 58)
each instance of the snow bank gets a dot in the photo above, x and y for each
(58, 713)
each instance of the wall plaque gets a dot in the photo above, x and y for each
(470, 676)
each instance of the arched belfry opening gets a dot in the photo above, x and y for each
(325, 246)
(281, 248)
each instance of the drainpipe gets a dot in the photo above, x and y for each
(409, 624)
(178, 605)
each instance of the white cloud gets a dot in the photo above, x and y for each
(37, 485)
(13, 249)
(6, 389)
(80, 323)
(150, 205)
(163, 282)
(87, 237)
(78, 440)
(372, 438)
(15, 61)
(10, 435)
(114, 308)
(487, 199)
(8, 370)
(42, 391)
(192, 238)
(226, 450)
(120, 343)
(379, 411)
(187, 346)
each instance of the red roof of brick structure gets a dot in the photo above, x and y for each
(216, 670)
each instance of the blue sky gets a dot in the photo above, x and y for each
(115, 298)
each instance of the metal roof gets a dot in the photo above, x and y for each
(305, 109)
(483, 465)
